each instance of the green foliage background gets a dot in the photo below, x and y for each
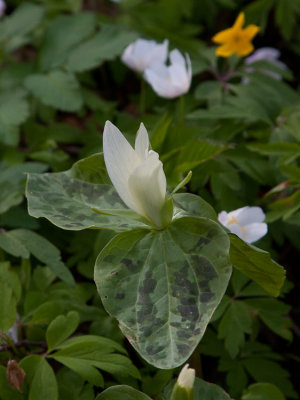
(61, 78)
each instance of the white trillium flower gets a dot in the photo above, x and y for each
(2, 7)
(265, 54)
(186, 378)
(246, 222)
(137, 174)
(142, 53)
(172, 80)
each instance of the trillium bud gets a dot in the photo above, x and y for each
(137, 175)
(183, 389)
(246, 222)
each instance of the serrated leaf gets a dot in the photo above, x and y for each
(62, 36)
(104, 46)
(61, 328)
(122, 392)
(163, 287)
(233, 326)
(15, 28)
(10, 289)
(12, 182)
(257, 265)
(14, 110)
(12, 245)
(57, 89)
(273, 313)
(44, 251)
(43, 385)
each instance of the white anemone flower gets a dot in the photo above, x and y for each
(246, 222)
(265, 54)
(2, 7)
(186, 378)
(142, 53)
(137, 174)
(172, 80)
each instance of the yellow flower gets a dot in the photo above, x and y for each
(236, 40)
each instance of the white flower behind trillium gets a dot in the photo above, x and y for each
(172, 80)
(265, 54)
(2, 7)
(246, 222)
(142, 53)
(137, 174)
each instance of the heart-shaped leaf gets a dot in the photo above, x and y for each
(163, 286)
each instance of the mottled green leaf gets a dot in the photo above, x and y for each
(68, 203)
(164, 286)
(122, 392)
(189, 204)
(257, 265)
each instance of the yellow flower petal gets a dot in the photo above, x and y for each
(224, 51)
(245, 50)
(222, 36)
(250, 31)
(239, 22)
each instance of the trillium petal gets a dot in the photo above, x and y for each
(120, 160)
(255, 231)
(142, 142)
(147, 185)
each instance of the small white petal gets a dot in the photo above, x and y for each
(255, 231)
(249, 215)
(177, 58)
(120, 160)
(142, 142)
(223, 217)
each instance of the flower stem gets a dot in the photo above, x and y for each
(143, 96)
(181, 109)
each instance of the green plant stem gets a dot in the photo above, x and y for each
(181, 109)
(143, 96)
